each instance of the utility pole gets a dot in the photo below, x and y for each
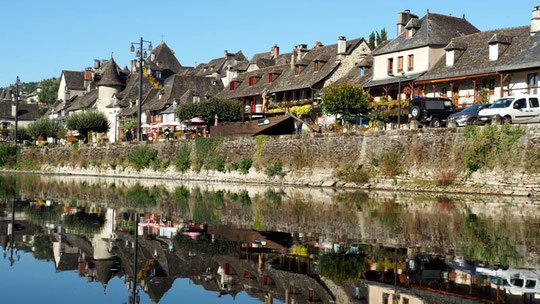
(141, 54)
(17, 83)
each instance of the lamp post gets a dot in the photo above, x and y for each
(17, 83)
(141, 54)
(399, 77)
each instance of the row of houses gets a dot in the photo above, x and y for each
(435, 56)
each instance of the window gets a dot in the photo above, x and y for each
(408, 33)
(270, 78)
(493, 51)
(533, 102)
(533, 83)
(362, 71)
(390, 65)
(385, 298)
(450, 58)
(400, 64)
(296, 70)
(251, 81)
(410, 63)
(491, 86)
(444, 92)
(405, 300)
(520, 104)
(232, 86)
(316, 66)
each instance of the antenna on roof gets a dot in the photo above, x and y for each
(463, 15)
(112, 53)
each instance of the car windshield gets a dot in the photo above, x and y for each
(471, 109)
(502, 103)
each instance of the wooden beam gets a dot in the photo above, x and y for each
(455, 78)
(475, 90)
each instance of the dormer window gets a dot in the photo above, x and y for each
(450, 58)
(408, 33)
(362, 71)
(493, 51)
(270, 78)
(316, 66)
(251, 81)
(296, 70)
(232, 85)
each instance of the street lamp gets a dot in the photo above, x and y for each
(140, 54)
(17, 83)
(399, 77)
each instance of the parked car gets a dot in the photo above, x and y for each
(513, 109)
(431, 112)
(468, 116)
(514, 281)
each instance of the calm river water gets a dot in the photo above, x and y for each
(87, 240)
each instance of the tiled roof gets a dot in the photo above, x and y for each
(74, 80)
(435, 29)
(131, 92)
(109, 75)
(308, 77)
(27, 111)
(164, 59)
(177, 86)
(528, 58)
(243, 88)
(85, 101)
(473, 57)
(217, 65)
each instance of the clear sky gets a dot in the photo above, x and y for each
(42, 38)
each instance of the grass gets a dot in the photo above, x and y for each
(354, 174)
(391, 162)
(142, 156)
(182, 160)
(275, 170)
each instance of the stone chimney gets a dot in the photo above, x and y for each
(404, 18)
(535, 21)
(97, 64)
(275, 51)
(341, 45)
(318, 44)
(301, 51)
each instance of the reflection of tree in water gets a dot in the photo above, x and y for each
(141, 197)
(204, 245)
(389, 214)
(83, 223)
(181, 198)
(41, 214)
(342, 266)
(43, 246)
(206, 209)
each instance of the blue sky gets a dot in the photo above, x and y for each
(42, 38)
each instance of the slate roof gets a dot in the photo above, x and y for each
(177, 86)
(74, 80)
(354, 76)
(528, 58)
(109, 75)
(308, 77)
(243, 89)
(217, 65)
(131, 92)
(435, 30)
(473, 57)
(27, 111)
(164, 59)
(85, 101)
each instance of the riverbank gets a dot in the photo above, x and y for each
(481, 160)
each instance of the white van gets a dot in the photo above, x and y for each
(513, 109)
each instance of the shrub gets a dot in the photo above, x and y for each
(8, 155)
(260, 144)
(206, 150)
(346, 99)
(142, 156)
(227, 110)
(182, 160)
(22, 133)
(45, 127)
(88, 121)
(445, 177)
(275, 170)
(354, 174)
(391, 162)
(218, 163)
(245, 165)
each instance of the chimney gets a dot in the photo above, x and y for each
(318, 44)
(225, 53)
(403, 18)
(535, 21)
(87, 78)
(301, 51)
(275, 51)
(341, 45)
(97, 64)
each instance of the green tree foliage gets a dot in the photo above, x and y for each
(343, 267)
(376, 38)
(22, 133)
(49, 90)
(88, 121)
(45, 127)
(346, 99)
(227, 110)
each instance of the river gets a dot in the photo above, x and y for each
(86, 240)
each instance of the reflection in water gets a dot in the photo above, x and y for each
(290, 245)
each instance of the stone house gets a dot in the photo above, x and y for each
(419, 45)
(28, 112)
(218, 68)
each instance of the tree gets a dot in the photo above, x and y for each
(227, 110)
(88, 121)
(372, 40)
(376, 38)
(45, 127)
(384, 36)
(49, 90)
(346, 99)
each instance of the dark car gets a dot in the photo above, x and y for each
(430, 111)
(469, 115)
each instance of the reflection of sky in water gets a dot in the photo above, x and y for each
(34, 281)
